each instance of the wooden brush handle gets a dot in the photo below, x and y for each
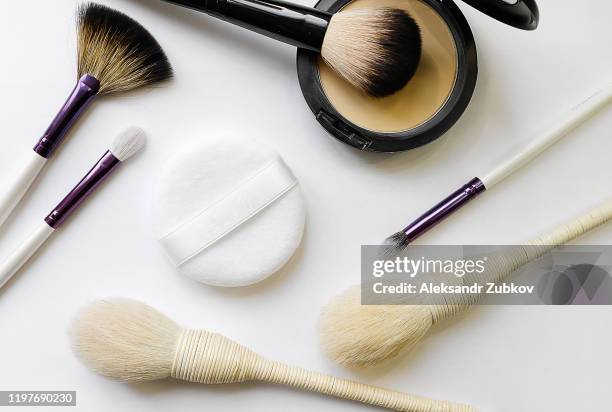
(359, 392)
(575, 228)
(210, 358)
(509, 261)
(506, 262)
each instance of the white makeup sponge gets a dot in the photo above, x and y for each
(228, 212)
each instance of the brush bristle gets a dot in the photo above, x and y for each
(356, 335)
(395, 244)
(125, 340)
(128, 143)
(118, 51)
(376, 50)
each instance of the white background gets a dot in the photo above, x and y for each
(504, 359)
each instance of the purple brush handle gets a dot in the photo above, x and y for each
(83, 94)
(86, 186)
(444, 209)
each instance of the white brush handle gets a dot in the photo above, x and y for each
(20, 256)
(18, 187)
(565, 125)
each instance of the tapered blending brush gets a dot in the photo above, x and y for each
(479, 185)
(376, 50)
(357, 335)
(122, 148)
(131, 342)
(115, 54)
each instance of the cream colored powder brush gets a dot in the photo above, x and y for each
(357, 335)
(132, 342)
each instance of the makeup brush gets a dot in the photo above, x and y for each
(115, 54)
(376, 50)
(358, 335)
(132, 342)
(478, 185)
(122, 148)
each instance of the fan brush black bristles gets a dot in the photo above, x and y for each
(118, 51)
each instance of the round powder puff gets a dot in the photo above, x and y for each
(228, 212)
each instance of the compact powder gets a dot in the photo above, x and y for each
(422, 97)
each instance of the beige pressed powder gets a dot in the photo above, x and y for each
(422, 97)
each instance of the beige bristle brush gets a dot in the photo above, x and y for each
(358, 335)
(377, 50)
(131, 342)
(115, 55)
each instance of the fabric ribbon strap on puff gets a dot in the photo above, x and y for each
(229, 212)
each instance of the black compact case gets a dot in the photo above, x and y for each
(522, 14)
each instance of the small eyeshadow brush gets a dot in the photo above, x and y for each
(476, 186)
(122, 148)
(115, 54)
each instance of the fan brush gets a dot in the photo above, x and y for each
(115, 54)
(131, 342)
(376, 50)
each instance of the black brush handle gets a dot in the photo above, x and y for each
(294, 24)
(523, 14)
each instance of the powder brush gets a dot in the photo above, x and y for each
(131, 342)
(115, 54)
(358, 335)
(127, 144)
(478, 185)
(376, 50)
